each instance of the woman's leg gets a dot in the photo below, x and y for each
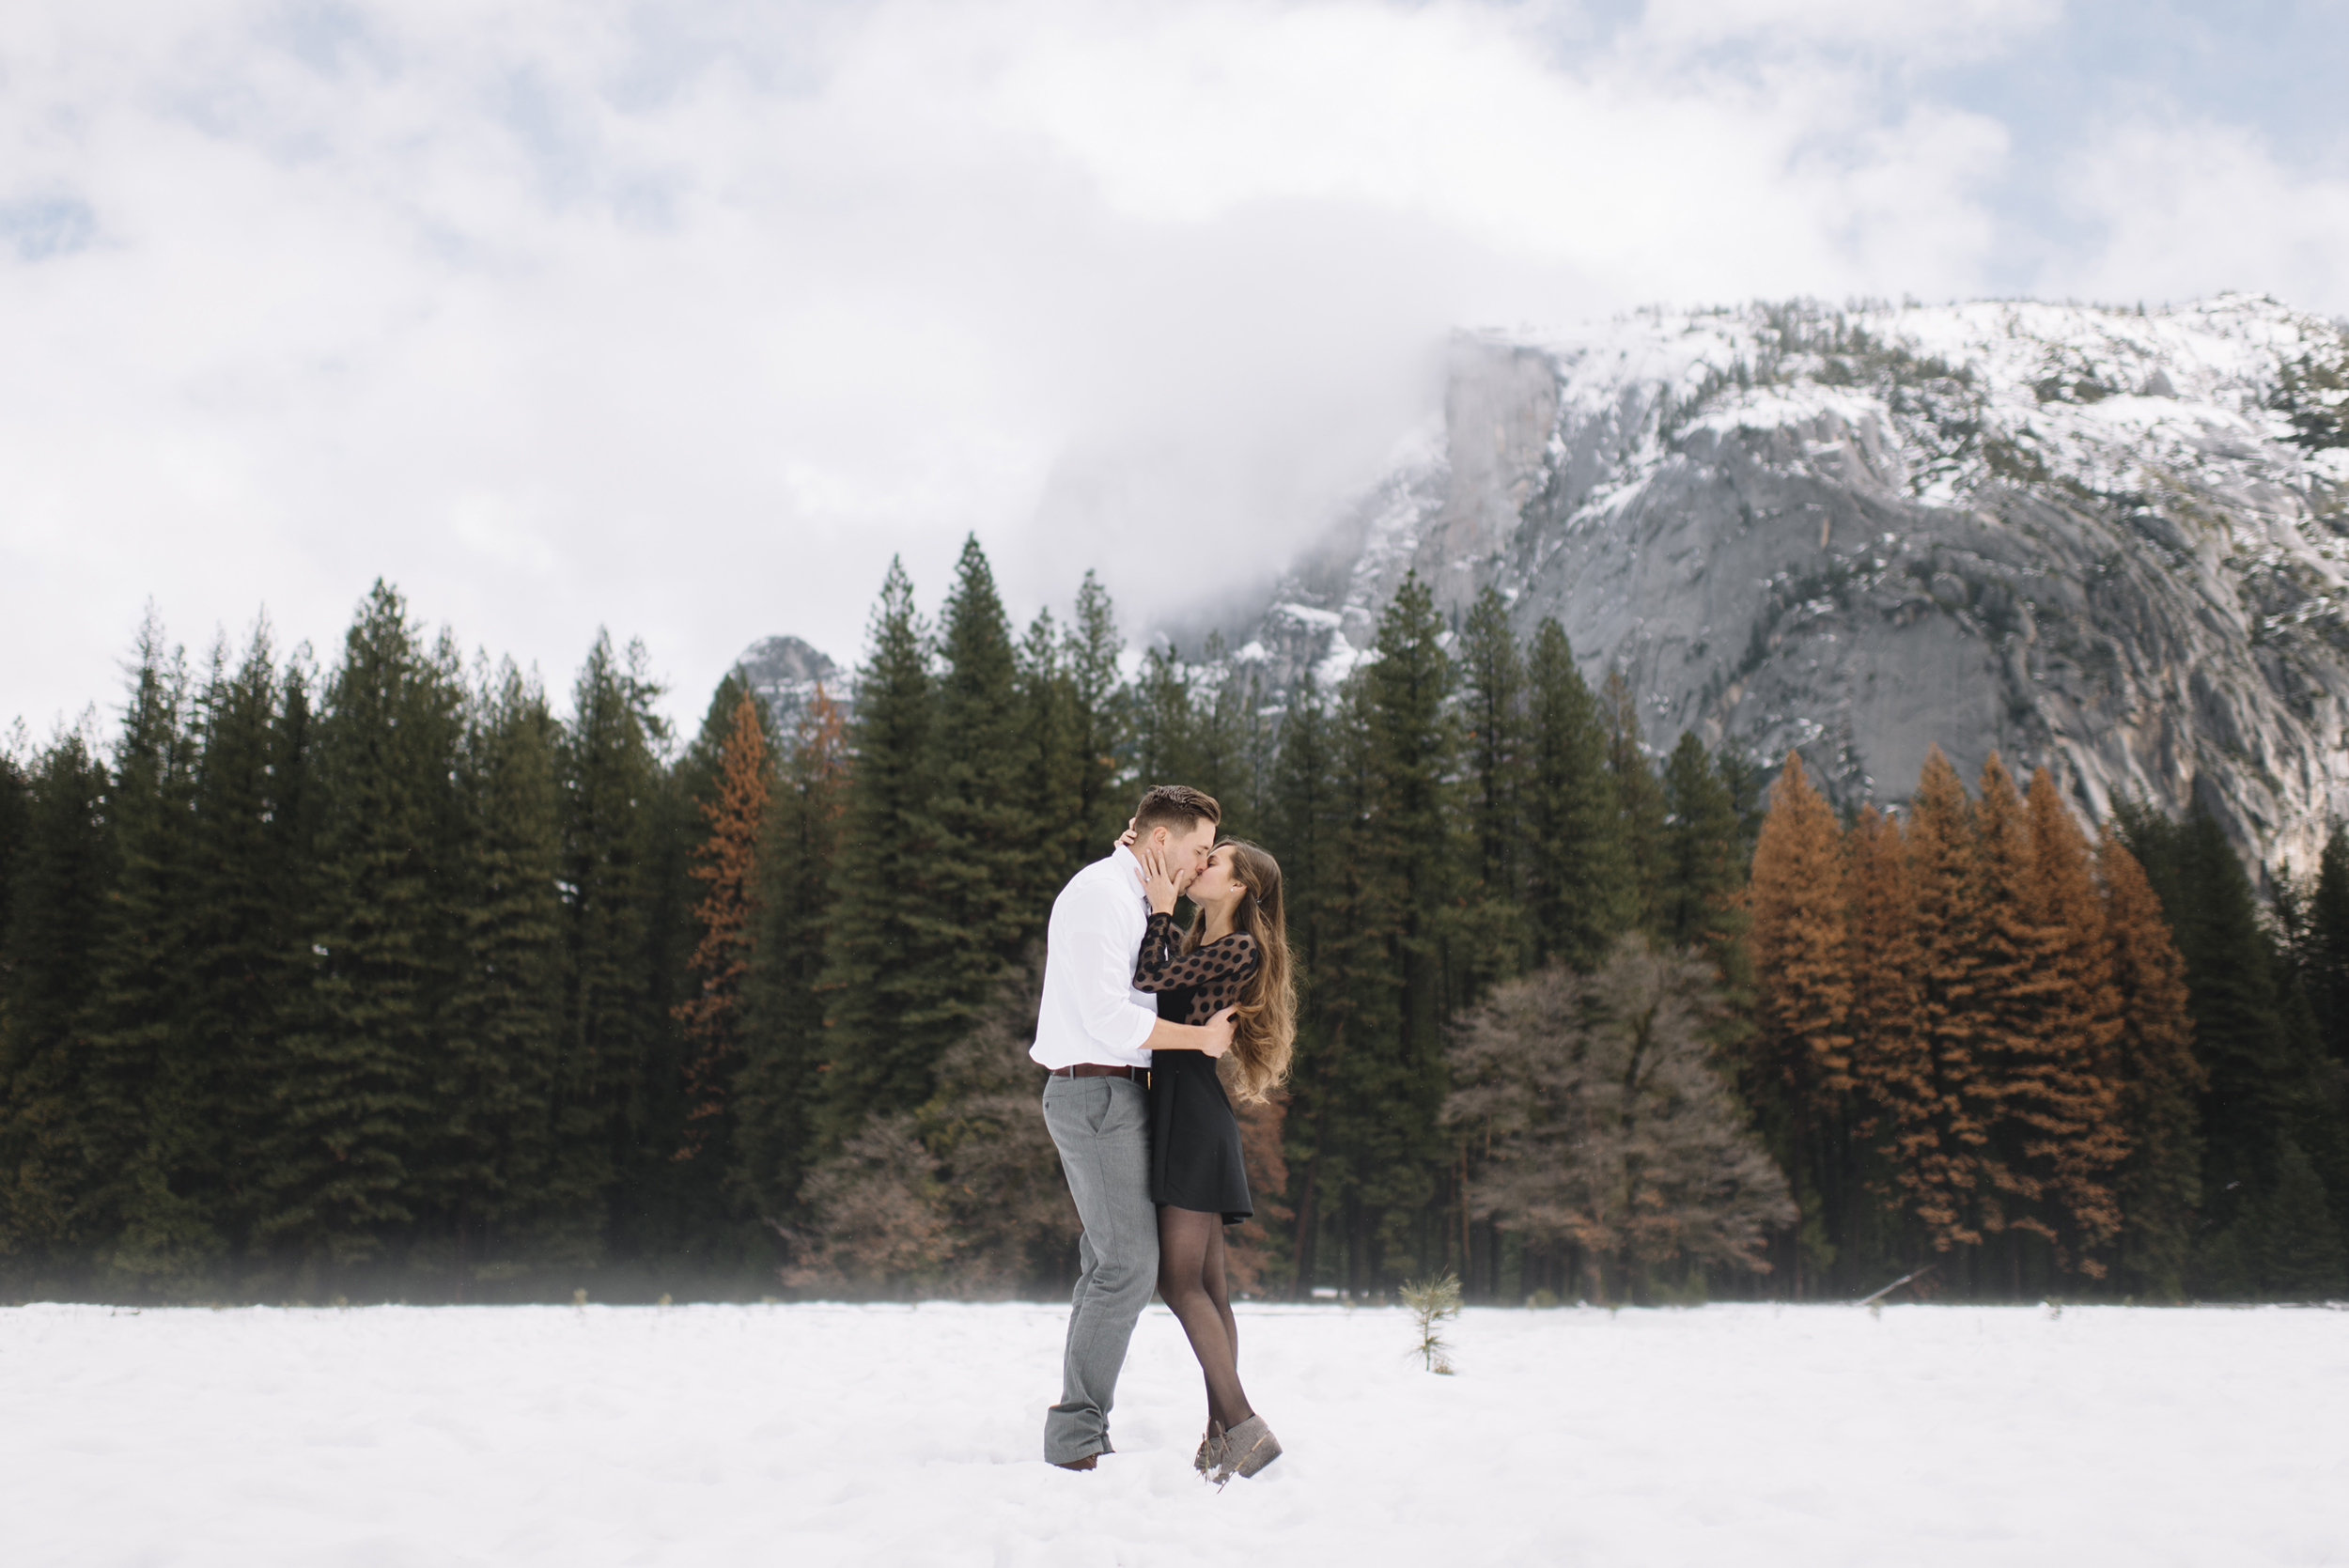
(1212, 1278)
(1186, 1240)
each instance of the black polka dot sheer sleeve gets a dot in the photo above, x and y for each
(1215, 973)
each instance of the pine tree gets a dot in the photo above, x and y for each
(1749, 784)
(493, 1101)
(784, 995)
(248, 921)
(2081, 1140)
(883, 952)
(2328, 932)
(2239, 1035)
(668, 1213)
(1580, 893)
(1492, 693)
(15, 825)
(1306, 817)
(1413, 757)
(1309, 822)
(1639, 799)
(1700, 877)
(1393, 1084)
(983, 913)
(354, 1071)
(1222, 739)
(1162, 721)
(215, 899)
(1349, 1072)
(1488, 933)
(64, 870)
(148, 1087)
(2159, 1082)
(614, 1024)
(2299, 1252)
(1090, 657)
(1263, 740)
(1796, 1067)
(1051, 760)
(727, 866)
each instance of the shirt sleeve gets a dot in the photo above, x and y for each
(1099, 965)
(1162, 969)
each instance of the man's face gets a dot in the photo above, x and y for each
(1188, 853)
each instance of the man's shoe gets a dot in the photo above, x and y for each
(1088, 1462)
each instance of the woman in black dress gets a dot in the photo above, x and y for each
(1234, 954)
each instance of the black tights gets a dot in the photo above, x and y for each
(1191, 1281)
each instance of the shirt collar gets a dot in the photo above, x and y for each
(1133, 870)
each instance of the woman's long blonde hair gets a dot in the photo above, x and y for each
(1264, 1024)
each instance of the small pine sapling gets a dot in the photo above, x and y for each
(1431, 1301)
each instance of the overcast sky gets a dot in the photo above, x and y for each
(681, 318)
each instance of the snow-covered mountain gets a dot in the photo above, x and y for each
(2112, 541)
(786, 672)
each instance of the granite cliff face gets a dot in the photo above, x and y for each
(2111, 542)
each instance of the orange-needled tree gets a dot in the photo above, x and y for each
(726, 864)
(1887, 1050)
(2077, 1086)
(1936, 1101)
(2013, 1047)
(1796, 1072)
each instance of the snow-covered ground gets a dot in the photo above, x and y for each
(1730, 1436)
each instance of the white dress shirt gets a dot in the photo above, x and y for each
(1091, 1011)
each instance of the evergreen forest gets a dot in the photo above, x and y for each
(393, 975)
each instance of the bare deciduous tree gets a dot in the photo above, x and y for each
(873, 1224)
(1606, 1127)
(964, 1197)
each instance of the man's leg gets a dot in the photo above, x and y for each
(1101, 1126)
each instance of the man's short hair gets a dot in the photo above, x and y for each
(1177, 808)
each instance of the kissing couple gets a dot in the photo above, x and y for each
(1137, 1019)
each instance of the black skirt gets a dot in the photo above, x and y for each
(1195, 1158)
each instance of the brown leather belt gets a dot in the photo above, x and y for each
(1094, 1069)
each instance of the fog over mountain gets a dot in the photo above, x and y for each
(2108, 540)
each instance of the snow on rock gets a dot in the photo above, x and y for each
(816, 1435)
(2112, 542)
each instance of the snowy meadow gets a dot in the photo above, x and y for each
(802, 1434)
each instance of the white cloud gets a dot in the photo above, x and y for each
(1961, 29)
(2188, 207)
(683, 319)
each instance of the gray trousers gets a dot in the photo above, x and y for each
(1101, 1126)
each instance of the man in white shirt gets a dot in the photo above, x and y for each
(1096, 1033)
